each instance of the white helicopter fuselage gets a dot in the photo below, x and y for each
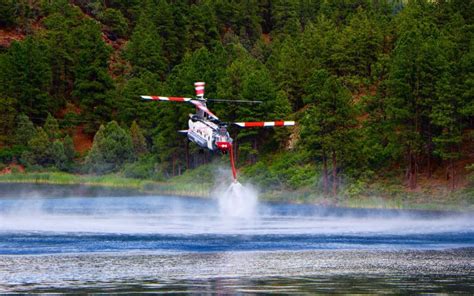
(207, 134)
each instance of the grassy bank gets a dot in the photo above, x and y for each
(188, 186)
(111, 181)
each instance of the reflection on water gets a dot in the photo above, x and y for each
(58, 240)
(233, 272)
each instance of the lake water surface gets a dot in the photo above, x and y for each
(69, 238)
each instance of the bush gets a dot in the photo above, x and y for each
(289, 170)
(11, 154)
(144, 168)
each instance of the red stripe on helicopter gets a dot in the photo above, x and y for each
(199, 87)
(265, 123)
(173, 99)
(177, 99)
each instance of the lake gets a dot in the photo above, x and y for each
(87, 239)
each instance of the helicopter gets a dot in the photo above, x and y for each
(207, 130)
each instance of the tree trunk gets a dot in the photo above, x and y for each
(412, 171)
(453, 180)
(334, 174)
(174, 165)
(254, 155)
(325, 175)
(188, 166)
(430, 148)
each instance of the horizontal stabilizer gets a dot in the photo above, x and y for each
(264, 123)
(183, 131)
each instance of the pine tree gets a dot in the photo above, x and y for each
(138, 140)
(7, 120)
(144, 50)
(92, 81)
(39, 150)
(285, 17)
(202, 28)
(329, 124)
(25, 130)
(358, 46)
(58, 155)
(116, 23)
(51, 127)
(69, 150)
(112, 148)
(25, 75)
(418, 63)
(7, 13)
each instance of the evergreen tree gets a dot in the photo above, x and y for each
(202, 28)
(144, 50)
(69, 150)
(58, 155)
(25, 75)
(25, 130)
(7, 120)
(39, 150)
(172, 43)
(138, 140)
(417, 64)
(92, 81)
(358, 46)
(329, 124)
(285, 17)
(112, 148)
(51, 127)
(7, 13)
(116, 24)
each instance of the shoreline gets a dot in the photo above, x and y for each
(150, 187)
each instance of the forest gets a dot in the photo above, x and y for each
(381, 90)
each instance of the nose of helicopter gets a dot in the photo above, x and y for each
(223, 146)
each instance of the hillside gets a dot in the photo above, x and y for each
(381, 91)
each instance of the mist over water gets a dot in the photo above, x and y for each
(235, 210)
(93, 241)
(237, 201)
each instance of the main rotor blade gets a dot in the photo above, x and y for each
(200, 106)
(172, 99)
(235, 101)
(264, 123)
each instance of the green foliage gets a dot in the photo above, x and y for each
(115, 22)
(7, 120)
(25, 130)
(287, 170)
(7, 13)
(51, 127)
(92, 81)
(112, 148)
(143, 168)
(11, 154)
(39, 150)
(138, 140)
(69, 151)
(25, 74)
(144, 50)
(376, 87)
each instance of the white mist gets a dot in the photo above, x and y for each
(238, 201)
